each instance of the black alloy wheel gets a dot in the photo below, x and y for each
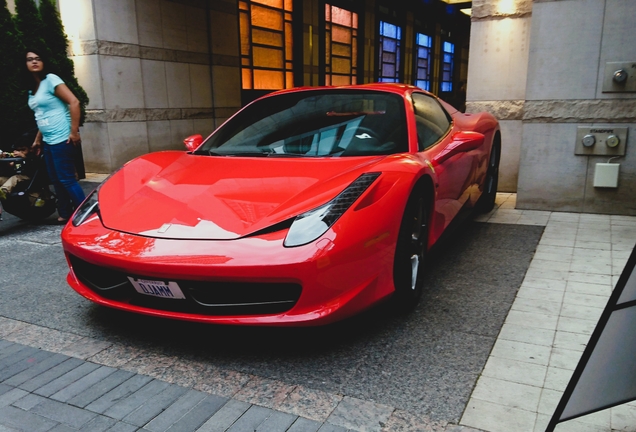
(487, 200)
(410, 253)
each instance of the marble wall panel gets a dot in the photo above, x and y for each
(196, 29)
(614, 200)
(122, 83)
(155, 86)
(203, 126)
(618, 43)
(551, 176)
(159, 137)
(224, 34)
(96, 148)
(178, 83)
(77, 17)
(127, 141)
(201, 86)
(116, 21)
(149, 23)
(498, 59)
(226, 86)
(511, 135)
(180, 130)
(564, 49)
(174, 25)
(90, 78)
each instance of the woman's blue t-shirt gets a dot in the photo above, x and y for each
(52, 114)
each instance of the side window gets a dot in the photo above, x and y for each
(430, 118)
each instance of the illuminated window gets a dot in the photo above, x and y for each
(390, 36)
(266, 44)
(341, 32)
(423, 46)
(447, 67)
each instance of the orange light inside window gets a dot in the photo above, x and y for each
(267, 57)
(268, 80)
(267, 18)
(273, 3)
(265, 37)
(247, 79)
(245, 41)
(342, 16)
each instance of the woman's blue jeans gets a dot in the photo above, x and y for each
(60, 165)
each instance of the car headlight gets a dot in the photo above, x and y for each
(308, 226)
(89, 207)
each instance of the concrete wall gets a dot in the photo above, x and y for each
(156, 71)
(571, 40)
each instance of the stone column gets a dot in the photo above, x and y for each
(571, 41)
(497, 67)
(155, 71)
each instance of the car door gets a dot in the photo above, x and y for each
(435, 139)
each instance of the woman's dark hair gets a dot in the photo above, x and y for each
(27, 77)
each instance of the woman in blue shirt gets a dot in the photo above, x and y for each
(57, 114)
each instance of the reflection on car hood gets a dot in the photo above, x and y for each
(184, 196)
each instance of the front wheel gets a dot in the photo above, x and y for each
(410, 253)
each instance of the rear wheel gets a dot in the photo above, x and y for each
(410, 253)
(487, 200)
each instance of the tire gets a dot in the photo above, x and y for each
(487, 200)
(410, 252)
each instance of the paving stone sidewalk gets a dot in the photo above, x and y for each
(46, 391)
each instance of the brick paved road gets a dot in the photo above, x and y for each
(370, 374)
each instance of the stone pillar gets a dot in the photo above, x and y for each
(155, 71)
(497, 67)
(571, 40)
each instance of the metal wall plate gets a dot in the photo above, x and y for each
(619, 77)
(601, 140)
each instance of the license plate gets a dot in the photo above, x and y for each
(157, 288)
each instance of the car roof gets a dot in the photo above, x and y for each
(398, 88)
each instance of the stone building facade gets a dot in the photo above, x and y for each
(157, 71)
(540, 67)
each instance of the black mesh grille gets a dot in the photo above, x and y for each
(202, 297)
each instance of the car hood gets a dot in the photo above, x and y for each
(184, 196)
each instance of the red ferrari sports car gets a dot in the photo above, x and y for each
(307, 206)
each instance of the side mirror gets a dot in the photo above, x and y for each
(461, 142)
(193, 142)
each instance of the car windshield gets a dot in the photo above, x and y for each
(314, 124)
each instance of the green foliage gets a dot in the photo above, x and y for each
(40, 30)
(30, 26)
(56, 40)
(16, 116)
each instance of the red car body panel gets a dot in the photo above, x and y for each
(180, 216)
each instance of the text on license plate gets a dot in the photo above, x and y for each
(157, 288)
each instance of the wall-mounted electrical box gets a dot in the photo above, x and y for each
(601, 140)
(606, 175)
(619, 77)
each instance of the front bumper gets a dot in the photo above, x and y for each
(249, 281)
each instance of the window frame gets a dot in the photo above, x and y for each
(399, 78)
(292, 75)
(449, 118)
(431, 59)
(352, 6)
(442, 64)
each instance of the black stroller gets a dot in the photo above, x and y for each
(31, 199)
